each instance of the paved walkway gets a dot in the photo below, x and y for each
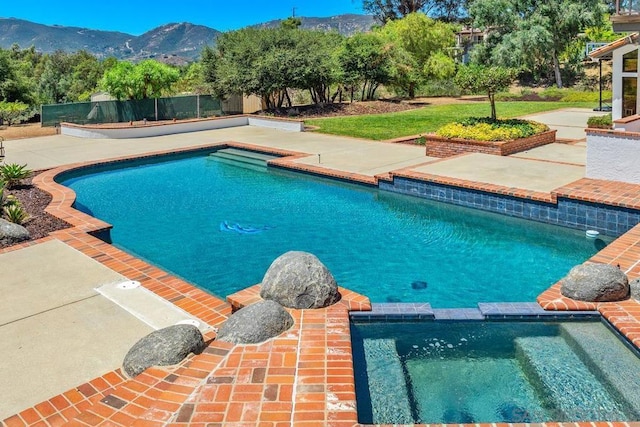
(569, 122)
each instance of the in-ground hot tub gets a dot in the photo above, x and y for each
(493, 371)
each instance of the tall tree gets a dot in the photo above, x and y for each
(15, 83)
(147, 79)
(425, 42)
(55, 77)
(533, 34)
(366, 61)
(267, 62)
(388, 10)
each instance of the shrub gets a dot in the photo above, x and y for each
(15, 112)
(600, 122)
(13, 173)
(508, 96)
(16, 214)
(486, 129)
(444, 87)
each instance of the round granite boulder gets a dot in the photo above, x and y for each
(255, 323)
(634, 286)
(595, 283)
(163, 347)
(13, 232)
(299, 280)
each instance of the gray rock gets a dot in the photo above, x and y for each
(634, 286)
(596, 283)
(13, 232)
(163, 347)
(255, 323)
(299, 280)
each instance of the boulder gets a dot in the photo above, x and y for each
(163, 347)
(12, 232)
(299, 280)
(255, 323)
(634, 286)
(596, 283)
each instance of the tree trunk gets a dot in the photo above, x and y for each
(492, 100)
(286, 94)
(412, 90)
(556, 70)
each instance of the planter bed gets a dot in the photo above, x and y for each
(438, 146)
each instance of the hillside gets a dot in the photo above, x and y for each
(175, 43)
(344, 24)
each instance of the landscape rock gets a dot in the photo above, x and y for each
(163, 347)
(13, 232)
(634, 286)
(595, 283)
(299, 280)
(255, 323)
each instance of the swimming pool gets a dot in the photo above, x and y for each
(220, 226)
(488, 371)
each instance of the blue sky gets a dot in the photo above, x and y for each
(136, 17)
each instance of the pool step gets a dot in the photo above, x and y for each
(387, 384)
(243, 156)
(609, 358)
(555, 370)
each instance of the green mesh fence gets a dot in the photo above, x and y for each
(179, 107)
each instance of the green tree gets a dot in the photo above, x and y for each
(55, 77)
(16, 82)
(118, 81)
(291, 23)
(267, 62)
(532, 35)
(147, 79)
(490, 80)
(388, 10)
(153, 79)
(192, 79)
(87, 72)
(426, 41)
(366, 61)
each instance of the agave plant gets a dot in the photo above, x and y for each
(16, 213)
(13, 173)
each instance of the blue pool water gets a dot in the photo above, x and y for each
(481, 372)
(220, 226)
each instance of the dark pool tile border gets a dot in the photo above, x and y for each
(390, 312)
(458, 314)
(611, 220)
(529, 310)
(394, 312)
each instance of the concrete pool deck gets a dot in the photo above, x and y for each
(302, 378)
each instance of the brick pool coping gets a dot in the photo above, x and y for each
(303, 377)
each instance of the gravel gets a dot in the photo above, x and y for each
(34, 201)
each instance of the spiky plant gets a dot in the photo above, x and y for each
(16, 214)
(13, 173)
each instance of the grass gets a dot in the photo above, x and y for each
(428, 119)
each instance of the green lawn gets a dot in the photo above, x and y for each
(428, 119)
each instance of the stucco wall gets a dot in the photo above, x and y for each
(143, 131)
(613, 156)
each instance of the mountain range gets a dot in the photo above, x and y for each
(175, 43)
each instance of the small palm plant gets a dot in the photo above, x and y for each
(11, 174)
